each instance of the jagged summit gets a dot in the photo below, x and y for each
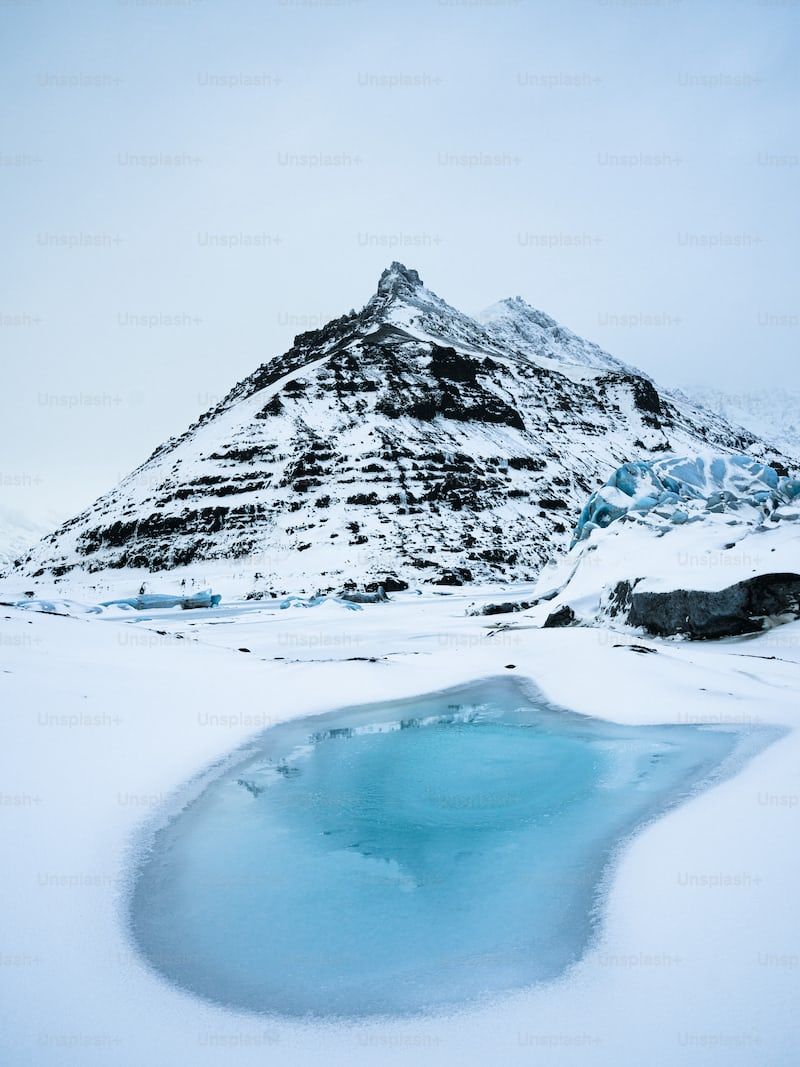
(399, 287)
(406, 439)
(398, 278)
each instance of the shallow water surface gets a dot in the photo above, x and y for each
(406, 856)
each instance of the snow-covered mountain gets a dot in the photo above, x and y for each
(773, 414)
(18, 533)
(406, 439)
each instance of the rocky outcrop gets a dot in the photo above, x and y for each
(742, 608)
(563, 616)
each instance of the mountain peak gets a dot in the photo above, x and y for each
(405, 439)
(515, 323)
(514, 307)
(398, 279)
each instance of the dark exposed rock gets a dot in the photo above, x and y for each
(478, 405)
(447, 363)
(378, 596)
(242, 455)
(425, 409)
(498, 555)
(620, 599)
(698, 613)
(295, 388)
(456, 576)
(645, 396)
(274, 407)
(363, 498)
(391, 583)
(302, 485)
(527, 463)
(563, 616)
(507, 607)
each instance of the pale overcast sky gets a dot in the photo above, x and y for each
(628, 166)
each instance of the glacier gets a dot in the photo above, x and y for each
(717, 483)
(703, 546)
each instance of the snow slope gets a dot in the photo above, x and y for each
(406, 438)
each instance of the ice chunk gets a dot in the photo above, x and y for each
(716, 483)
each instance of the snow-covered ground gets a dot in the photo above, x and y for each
(105, 714)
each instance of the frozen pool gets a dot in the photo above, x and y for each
(407, 856)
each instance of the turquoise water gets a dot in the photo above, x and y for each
(406, 856)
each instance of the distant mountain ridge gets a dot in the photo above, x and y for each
(406, 439)
(772, 413)
(18, 533)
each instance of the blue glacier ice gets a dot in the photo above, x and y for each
(151, 601)
(408, 856)
(718, 483)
